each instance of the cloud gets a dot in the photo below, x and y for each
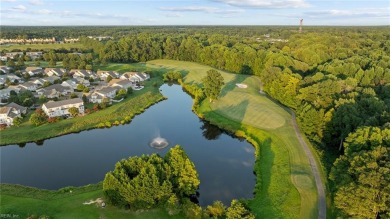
(265, 3)
(202, 9)
(189, 9)
(366, 13)
(173, 15)
(44, 11)
(35, 2)
(19, 8)
(7, 0)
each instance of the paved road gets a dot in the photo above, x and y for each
(313, 164)
(316, 173)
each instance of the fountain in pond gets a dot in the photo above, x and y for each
(159, 142)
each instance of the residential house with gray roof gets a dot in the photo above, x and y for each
(61, 108)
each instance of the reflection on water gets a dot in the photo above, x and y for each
(224, 163)
(210, 132)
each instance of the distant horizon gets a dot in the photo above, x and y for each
(194, 13)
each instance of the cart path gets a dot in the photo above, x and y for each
(315, 169)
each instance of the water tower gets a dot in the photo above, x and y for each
(300, 26)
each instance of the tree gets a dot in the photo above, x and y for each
(121, 93)
(52, 63)
(238, 210)
(73, 95)
(17, 121)
(216, 210)
(147, 181)
(185, 177)
(129, 90)
(109, 78)
(38, 117)
(362, 174)
(46, 84)
(80, 87)
(212, 84)
(73, 111)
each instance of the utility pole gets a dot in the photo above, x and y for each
(300, 26)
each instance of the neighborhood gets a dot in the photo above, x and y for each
(62, 89)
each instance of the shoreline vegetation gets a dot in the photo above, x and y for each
(281, 190)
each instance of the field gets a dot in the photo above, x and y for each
(41, 46)
(287, 185)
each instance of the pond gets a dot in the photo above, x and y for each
(224, 163)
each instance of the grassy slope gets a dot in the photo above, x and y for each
(288, 188)
(42, 46)
(25, 201)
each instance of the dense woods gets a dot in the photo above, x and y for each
(337, 80)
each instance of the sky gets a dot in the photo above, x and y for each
(194, 12)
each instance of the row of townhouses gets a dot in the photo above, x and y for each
(12, 55)
(99, 89)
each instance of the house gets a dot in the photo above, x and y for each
(70, 83)
(5, 69)
(142, 76)
(135, 76)
(39, 82)
(98, 95)
(34, 55)
(13, 78)
(122, 84)
(129, 76)
(54, 90)
(108, 92)
(82, 81)
(28, 86)
(104, 74)
(10, 112)
(12, 55)
(5, 93)
(51, 79)
(48, 93)
(32, 71)
(60, 108)
(83, 73)
(55, 71)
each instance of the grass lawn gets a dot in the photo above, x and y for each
(287, 184)
(21, 202)
(42, 46)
